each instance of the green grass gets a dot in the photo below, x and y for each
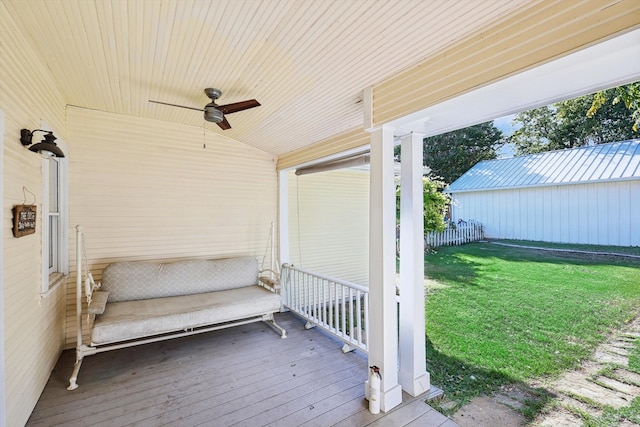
(505, 315)
(628, 250)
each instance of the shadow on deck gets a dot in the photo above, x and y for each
(244, 375)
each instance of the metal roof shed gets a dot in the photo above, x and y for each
(583, 195)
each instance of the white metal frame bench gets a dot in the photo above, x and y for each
(141, 302)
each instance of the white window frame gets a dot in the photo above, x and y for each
(3, 377)
(51, 279)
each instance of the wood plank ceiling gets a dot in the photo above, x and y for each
(306, 62)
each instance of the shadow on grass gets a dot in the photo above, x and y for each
(542, 255)
(445, 267)
(462, 382)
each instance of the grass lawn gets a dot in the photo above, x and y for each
(502, 315)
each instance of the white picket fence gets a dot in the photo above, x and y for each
(458, 234)
(337, 306)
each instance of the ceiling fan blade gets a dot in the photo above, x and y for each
(176, 105)
(224, 124)
(238, 106)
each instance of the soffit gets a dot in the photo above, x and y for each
(306, 62)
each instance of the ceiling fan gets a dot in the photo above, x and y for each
(216, 113)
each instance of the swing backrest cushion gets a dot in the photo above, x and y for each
(138, 280)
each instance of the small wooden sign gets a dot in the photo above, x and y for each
(24, 220)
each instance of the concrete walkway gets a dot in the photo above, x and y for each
(602, 381)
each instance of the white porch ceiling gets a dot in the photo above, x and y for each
(306, 62)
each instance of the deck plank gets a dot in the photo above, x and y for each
(317, 413)
(255, 404)
(407, 414)
(242, 376)
(221, 398)
(342, 411)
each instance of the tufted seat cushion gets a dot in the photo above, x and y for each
(131, 281)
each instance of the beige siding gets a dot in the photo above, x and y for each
(345, 141)
(550, 29)
(33, 325)
(145, 189)
(329, 223)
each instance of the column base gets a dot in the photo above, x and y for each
(389, 399)
(415, 386)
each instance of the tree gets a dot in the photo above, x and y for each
(451, 154)
(573, 123)
(435, 203)
(628, 94)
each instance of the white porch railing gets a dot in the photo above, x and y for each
(337, 306)
(459, 234)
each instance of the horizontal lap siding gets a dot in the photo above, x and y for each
(144, 189)
(529, 37)
(329, 223)
(598, 214)
(345, 141)
(33, 325)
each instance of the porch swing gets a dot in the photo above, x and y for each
(140, 302)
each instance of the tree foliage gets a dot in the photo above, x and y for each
(586, 120)
(435, 203)
(451, 154)
(628, 94)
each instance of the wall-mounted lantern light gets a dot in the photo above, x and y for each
(46, 147)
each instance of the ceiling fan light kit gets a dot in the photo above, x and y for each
(213, 112)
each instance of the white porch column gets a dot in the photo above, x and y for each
(283, 216)
(383, 320)
(413, 375)
(283, 228)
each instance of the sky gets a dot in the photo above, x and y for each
(504, 124)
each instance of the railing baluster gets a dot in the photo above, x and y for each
(351, 314)
(316, 298)
(358, 319)
(343, 308)
(338, 306)
(366, 319)
(332, 307)
(323, 298)
(336, 309)
(311, 297)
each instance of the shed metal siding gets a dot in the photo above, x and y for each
(603, 213)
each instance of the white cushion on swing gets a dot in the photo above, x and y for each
(98, 302)
(127, 320)
(139, 280)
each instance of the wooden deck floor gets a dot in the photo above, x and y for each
(245, 376)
